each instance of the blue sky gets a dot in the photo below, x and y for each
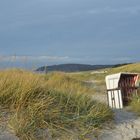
(50, 32)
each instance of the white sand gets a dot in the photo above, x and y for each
(5, 135)
(126, 127)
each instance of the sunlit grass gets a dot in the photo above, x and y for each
(127, 68)
(100, 77)
(52, 105)
(135, 104)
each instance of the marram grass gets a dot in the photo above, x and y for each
(135, 104)
(49, 106)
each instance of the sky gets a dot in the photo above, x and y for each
(47, 32)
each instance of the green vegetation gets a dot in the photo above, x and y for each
(100, 76)
(56, 105)
(127, 68)
(135, 105)
(53, 105)
(87, 76)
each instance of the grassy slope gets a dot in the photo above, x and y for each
(54, 105)
(127, 68)
(98, 79)
(134, 68)
(85, 76)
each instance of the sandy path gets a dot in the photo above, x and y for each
(126, 127)
(5, 135)
(126, 124)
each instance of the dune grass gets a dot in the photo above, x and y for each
(135, 104)
(90, 75)
(49, 106)
(135, 67)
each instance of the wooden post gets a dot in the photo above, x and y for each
(45, 69)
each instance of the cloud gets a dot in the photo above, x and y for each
(130, 10)
(123, 59)
(16, 58)
(50, 58)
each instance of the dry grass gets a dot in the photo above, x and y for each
(100, 77)
(135, 104)
(127, 68)
(49, 106)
